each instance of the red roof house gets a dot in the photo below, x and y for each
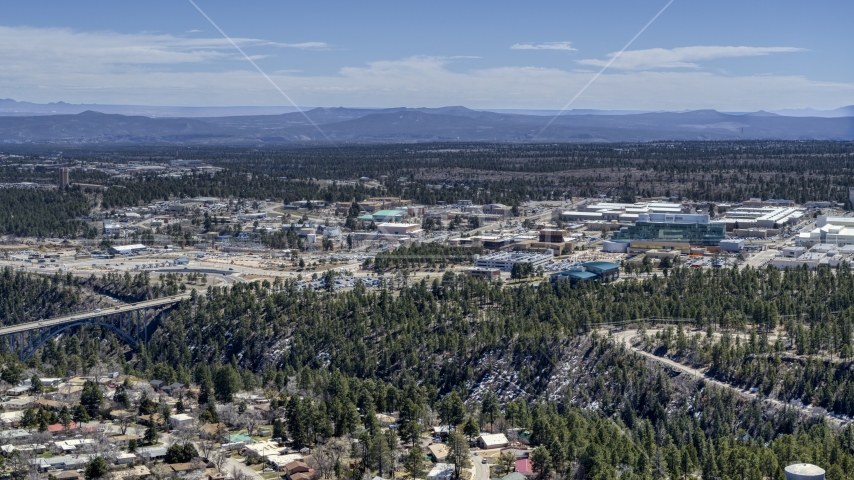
(523, 466)
(58, 427)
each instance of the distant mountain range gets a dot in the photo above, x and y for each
(353, 125)
(9, 107)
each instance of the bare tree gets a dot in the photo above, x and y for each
(125, 419)
(17, 462)
(97, 371)
(338, 448)
(251, 419)
(322, 460)
(139, 391)
(273, 413)
(206, 448)
(218, 457)
(500, 425)
(160, 470)
(24, 461)
(238, 474)
(228, 415)
(103, 447)
(41, 438)
(184, 435)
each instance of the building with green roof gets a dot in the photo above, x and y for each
(389, 216)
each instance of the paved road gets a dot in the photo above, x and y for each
(625, 337)
(231, 464)
(481, 471)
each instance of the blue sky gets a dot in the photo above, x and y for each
(727, 55)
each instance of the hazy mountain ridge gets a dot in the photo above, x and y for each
(419, 125)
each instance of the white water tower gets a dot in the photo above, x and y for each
(804, 471)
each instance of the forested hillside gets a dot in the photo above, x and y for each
(25, 297)
(439, 331)
(524, 356)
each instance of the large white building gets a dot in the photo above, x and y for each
(505, 260)
(819, 254)
(838, 231)
(128, 249)
(112, 228)
(622, 212)
(762, 217)
(411, 229)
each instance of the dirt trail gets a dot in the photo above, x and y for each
(626, 336)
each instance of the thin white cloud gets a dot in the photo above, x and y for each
(565, 46)
(305, 45)
(28, 47)
(48, 65)
(682, 57)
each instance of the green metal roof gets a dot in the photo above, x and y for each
(389, 213)
(578, 274)
(240, 437)
(601, 265)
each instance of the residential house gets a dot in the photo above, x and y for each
(297, 467)
(180, 420)
(441, 471)
(439, 452)
(151, 453)
(279, 462)
(525, 467)
(489, 441)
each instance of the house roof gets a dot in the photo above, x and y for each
(58, 427)
(151, 452)
(297, 466)
(183, 467)
(438, 450)
(302, 475)
(523, 465)
(494, 439)
(68, 475)
(240, 437)
(513, 476)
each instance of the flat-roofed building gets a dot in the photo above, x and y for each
(695, 229)
(495, 440)
(279, 462)
(485, 273)
(112, 228)
(570, 216)
(387, 216)
(262, 449)
(605, 270)
(734, 245)
(493, 242)
(837, 231)
(574, 276)
(411, 229)
(132, 249)
(505, 260)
